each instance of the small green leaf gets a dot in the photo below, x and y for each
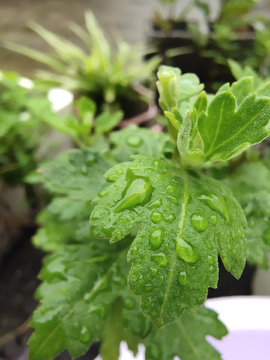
(182, 218)
(227, 131)
(134, 140)
(107, 121)
(185, 338)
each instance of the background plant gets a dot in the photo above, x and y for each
(108, 77)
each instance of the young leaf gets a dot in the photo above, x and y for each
(184, 220)
(227, 131)
(107, 121)
(72, 316)
(185, 338)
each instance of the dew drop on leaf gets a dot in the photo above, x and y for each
(199, 222)
(148, 287)
(214, 220)
(140, 279)
(161, 279)
(170, 189)
(214, 203)
(161, 259)
(155, 204)
(120, 172)
(153, 271)
(85, 335)
(123, 219)
(182, 278)
(112, 178)
(156, 238)
(129, 303)
(210, 260)
(147, 303)
(157, 164)
(186, 252)
(172, 199)
(103, 193)
(135, 193)
(170, 218)
(134, 141)
(156, 216)
(76, 325)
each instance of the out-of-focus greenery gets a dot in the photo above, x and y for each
(22, 111)
(104, 75)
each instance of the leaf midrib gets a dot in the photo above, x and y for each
(180, 232)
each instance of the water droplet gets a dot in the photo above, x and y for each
(85, 335)
(148, 287)
(157, 164)
(170, 218)
(84, 170)
(123, 219)
(112, 178)
(129, 303)
(76, 325)
(137, 192)
(99, 213)
(199, 222)
(229, 246)
(170, 189)
(147, 303)
(134, 141)
(156, 216)
(103, 193)
(140, 279)
(161, 279)
(161, 259)
(134, 250)
(172, 199)
(157, 238)
(153, 271)
(167, 210)
(214, 220)
(215, 203)
(120, 172)
(155, 204)
(90, 160)
(99, 310)
(210, 260)
(186, 252)
(182, 278)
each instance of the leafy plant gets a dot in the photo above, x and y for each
(22, 112)
(107, 77)
(168, 215)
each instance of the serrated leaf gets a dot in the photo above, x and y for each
(80, 177)
(134, 140)
(182, 218)
(185, 338)
(72, 315)
(251, 187)
(227, 131)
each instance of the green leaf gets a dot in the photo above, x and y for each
(134, 140)
(226, 130)
(80, 177)
(115, 332)
(185, 220)
(87, 109)
(239, 72)
(185, 338)
(251, 187)
(73, 313)
(107, 121)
